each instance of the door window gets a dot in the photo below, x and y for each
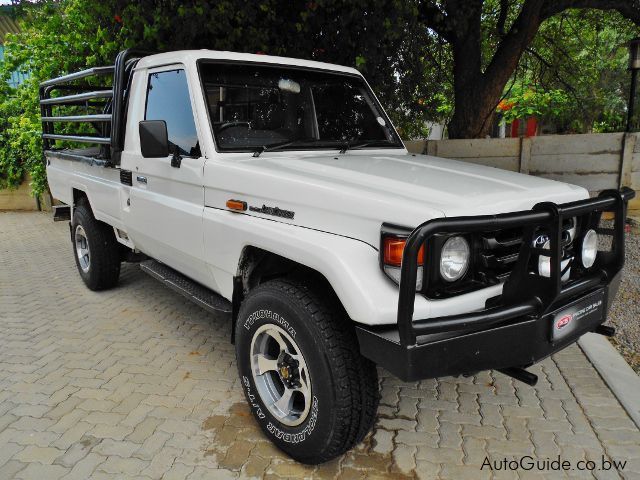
(168, 100)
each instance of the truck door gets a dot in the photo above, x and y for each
(166, 202)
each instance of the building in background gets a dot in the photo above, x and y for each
(9, 25)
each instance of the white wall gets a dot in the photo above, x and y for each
(595, 161)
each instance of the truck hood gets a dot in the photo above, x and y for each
(352, 194)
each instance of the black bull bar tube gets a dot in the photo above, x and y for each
(415, 349)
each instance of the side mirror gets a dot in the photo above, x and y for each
(154, 141)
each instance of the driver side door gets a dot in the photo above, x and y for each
(167, 201)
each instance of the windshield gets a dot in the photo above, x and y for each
(257, 107)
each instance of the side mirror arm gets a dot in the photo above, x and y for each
(176, 159)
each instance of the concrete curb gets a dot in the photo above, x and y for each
(616, 372)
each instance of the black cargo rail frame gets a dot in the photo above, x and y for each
(524, 293)
(113, 100)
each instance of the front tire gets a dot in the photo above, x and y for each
(95, 249)
(307, 385)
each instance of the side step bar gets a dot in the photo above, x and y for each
(198, 294)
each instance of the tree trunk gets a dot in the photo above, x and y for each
(478, 93)
(473, 112)
(466, 43)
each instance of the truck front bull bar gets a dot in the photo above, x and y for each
(514, 330)
(524, 293)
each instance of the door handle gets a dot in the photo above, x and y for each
(141, 179)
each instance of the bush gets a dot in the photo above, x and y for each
(382, 38)
(56, 38)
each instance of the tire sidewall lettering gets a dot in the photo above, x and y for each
(301, 436)
(252, 399)
(275, 429)
(264, 314)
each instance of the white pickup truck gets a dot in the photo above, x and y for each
(276, 191)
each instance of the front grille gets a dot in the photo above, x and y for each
(494, 256)
(499, 250)
(498, 254)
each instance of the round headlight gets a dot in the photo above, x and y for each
(589, 248)
(544, 264)
(454, 260)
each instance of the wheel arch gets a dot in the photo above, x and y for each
(257, 265)
(79, 195)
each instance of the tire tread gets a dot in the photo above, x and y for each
(356, 378)
(104, 271)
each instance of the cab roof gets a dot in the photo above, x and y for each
(186, 56)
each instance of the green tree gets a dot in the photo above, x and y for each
(527, 101)
(444, 60)
(583, 53)
(56, 38)
(487, 40)
(382, 38)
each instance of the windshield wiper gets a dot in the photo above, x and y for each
(364, 143)
(345, 146)
(278, 146)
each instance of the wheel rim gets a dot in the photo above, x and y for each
(82, 249)
(280, 374)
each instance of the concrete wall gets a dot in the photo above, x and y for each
(594, 161)
(18, 198)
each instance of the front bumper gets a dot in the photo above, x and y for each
(516, 330)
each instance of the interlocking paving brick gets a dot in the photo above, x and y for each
(66, 421)
(178, 471)
(464, 472)
(115, 432)
(152, 445)
(11, 468)
(475, 450)
(136, 382)
(91, 405)
(73, 435)
(84, 468)
(397, 424)
(77, 452)
(33, 453)
(31, 424)
(122, 466)
(8, 451)
(383, 441)
(36, 411)
(119, 448)
(103, 418)
(64, 406)
(161, 462)
(39, 439)
(255, 466)
(144, 429)
(37, 471)
(416, 438)
(404, 457)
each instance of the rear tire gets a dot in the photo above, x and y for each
(295, 340)
(95, 249)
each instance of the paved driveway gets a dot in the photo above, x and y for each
(138, 382)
